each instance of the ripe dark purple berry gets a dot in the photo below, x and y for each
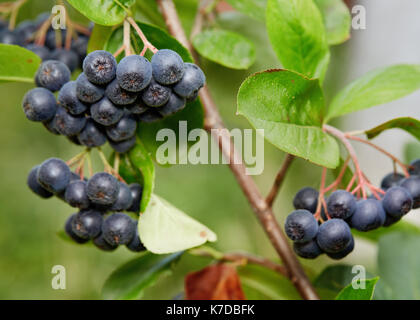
(306, 198)
(118, 228)
(174, 104)
(102, 188)
(369, 215)
(397, 202)
(100, 67)
(67, 98)
(341, 204)
(301, 226)
(136, 193)
(87, 224)
(118, 95)
(412, 185)
(69, 230)
(100, 243)
(191, 82)
(167, 67)
(35, 186)
(156, 95)
(307, 250)
(91, 136)
(134, 73)
(39, 104)
(86, 91)
(105, 112)
(52, 75)
(123, 129)
(67, 124)
(391, 180)
(76, 195)
(123, 146)
(68, 57)
(343, 253)
(124, 199)
(334, 235)
(54, 175)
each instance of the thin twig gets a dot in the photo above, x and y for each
(199, 18)
(147, 44)
(126, 39)
(14, 13)
(263, 212)
(279, 179)
(395, 159)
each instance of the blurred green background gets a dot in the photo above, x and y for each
(29, 245)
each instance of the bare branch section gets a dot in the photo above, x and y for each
(262, 210)
(279, 179)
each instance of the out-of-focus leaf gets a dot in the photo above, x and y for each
(350, 293)
(98, 37)
(227, 48)
(253, 8)
(375, 88)
(337, 20)
(297, 34)
(408, 124)
(104, 12)
(18, 64)
(130, 280)
(411, 151)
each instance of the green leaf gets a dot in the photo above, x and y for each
(411, 151)
(349, 293)
(21, 65)
(104, 12)
(130, 280)
(399, 264)
(408, 124)
(289, 108)
(193, 112)
(375, 88)
(141, 160)
(166, 229)
(337, 20)
(297, 34)
(253, 8)
(98, 38)
(227, 48)
(261, 283)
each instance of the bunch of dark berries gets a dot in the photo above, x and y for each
(100, 201)
(54, 47)
(344, 211)
(109, 98)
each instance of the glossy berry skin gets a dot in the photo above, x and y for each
(412, 185)
(67, 124)
(391, 180)
(191, 82)
(40, 51)
(52, 75)
(174, 104)
(67, 98)
(102, 188)
(334, 235)
(150, 116)
(301, 226)
(134, 73)
(100, 243)
(156, 95)
(54, 175)
(10, 37)
(369, 215)
(105, 112)
(307, 250)
(118, 95)
(167, 67)
(414, 167)
(397, 202)
(34, 185)
(86, 91)
(87, 224)
(76, 195)
(91, 136)
(68, 57)
(69, 230)
(124, 199)
(341, 204)
(138, 107)
(123, 146)
(123, 129)
(306, 198)
(118, 228)
(390, 220)
(343, 253)
(39, 104)
(135, 244)
(136, 193)
(100, 67)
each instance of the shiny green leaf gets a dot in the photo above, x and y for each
(408, 124)
(19, 64)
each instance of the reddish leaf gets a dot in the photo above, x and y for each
(215, 282)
